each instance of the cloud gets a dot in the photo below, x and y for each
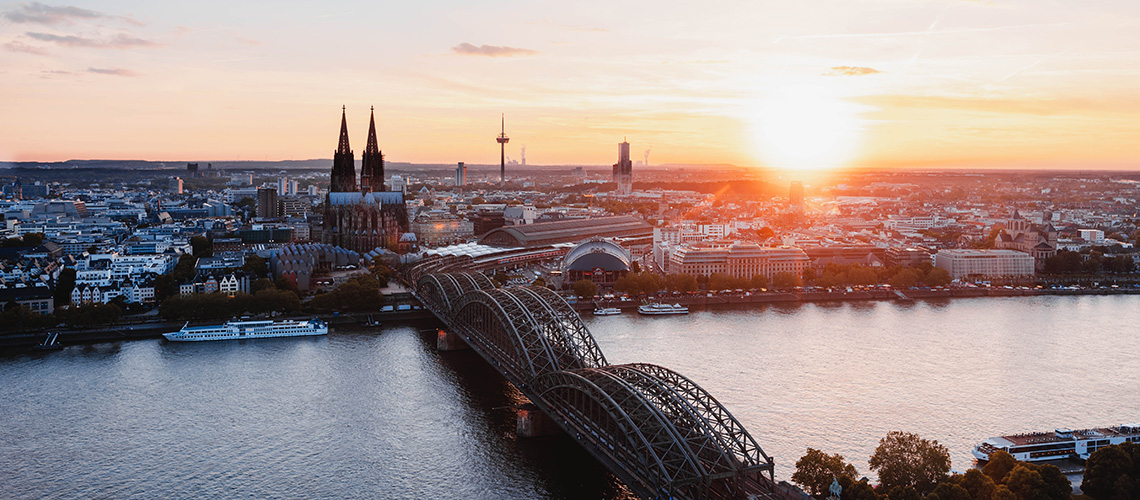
(112, 71)
(18, 46)
(120, 41)
(36, 12)
(851, 71)
(468, 49)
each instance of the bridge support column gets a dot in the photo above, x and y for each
(532, 422)
(447, 341)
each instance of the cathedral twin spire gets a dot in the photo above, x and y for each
(344, 167)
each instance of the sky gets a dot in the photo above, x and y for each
(805, 85)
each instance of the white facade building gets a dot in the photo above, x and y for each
(984, 263)
(736, 260)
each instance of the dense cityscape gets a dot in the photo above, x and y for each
(856, 250)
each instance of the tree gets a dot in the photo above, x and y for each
(816, 469)
(758, 281)
(979, 485)
(201, 246)
(856, 490)
(949, 491)
(938, 277)
(255, 265)
(905, 278)
(1056, 485)
(785, 280)
(1025, 483)
(64, 284)
(261, 284)
(905, 459)
(539, 281)
(585, 288)
(1104, 468)
(999, 465)
(635, 268)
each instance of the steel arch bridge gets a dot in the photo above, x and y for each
(662, 434)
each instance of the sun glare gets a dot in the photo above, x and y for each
(806, 129)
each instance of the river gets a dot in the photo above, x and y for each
(367, 413)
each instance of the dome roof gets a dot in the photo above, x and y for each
(597, 254)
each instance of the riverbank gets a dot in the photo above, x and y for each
(21, 341)
(719, 299)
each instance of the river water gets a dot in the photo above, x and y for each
(368, 413)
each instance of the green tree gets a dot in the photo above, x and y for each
(33, 239)
(816, 470)
(201, 246)
(978, 484)
(64, 284)
(785, 280)
(261, 284)
(856, 490)
(905, 278)
(905, 459)
(635, 268)
(949, 491)
(539, 281)
(938, 277)
(902, 493)
(999, 465)
(256, 265)
(585, 288)
(1003, 493)
(1105, 467)
(758, 281)
(1025, 483)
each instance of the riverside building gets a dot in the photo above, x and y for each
(738, 260)
(984, 263)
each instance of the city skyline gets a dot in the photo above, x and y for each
(887, 83)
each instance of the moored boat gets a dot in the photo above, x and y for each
(1058, 444)
(606, 311)
(662, 309)
(244, 329)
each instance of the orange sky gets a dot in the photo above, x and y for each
(796, 85)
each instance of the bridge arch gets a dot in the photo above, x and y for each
(687, 445)
(530, 329)
(443, 290)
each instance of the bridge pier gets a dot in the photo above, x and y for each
(447, 341)
(532, 422)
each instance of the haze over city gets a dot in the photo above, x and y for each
(789, 85)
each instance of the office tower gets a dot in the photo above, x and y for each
(461, 174)
(796, 196)
(623, 170)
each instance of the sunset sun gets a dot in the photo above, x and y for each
(806, 129)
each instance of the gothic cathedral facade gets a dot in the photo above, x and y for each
(362, 216)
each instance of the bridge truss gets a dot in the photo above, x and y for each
(662, 434)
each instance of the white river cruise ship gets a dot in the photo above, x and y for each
(1061, 443)
(244, 329)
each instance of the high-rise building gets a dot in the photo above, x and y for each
(623, 170)
(314, 190)
(461, 174)
(176, 185)
(283, 186)
(266, 206)
(796, 196)
(502, 139)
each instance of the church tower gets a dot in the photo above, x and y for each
(344, 167)
(372, 164)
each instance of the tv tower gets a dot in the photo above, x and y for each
(502, 139)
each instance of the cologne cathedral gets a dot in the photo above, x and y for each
(364, 216)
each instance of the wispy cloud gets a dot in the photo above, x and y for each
(120, 41)
(468, 49)
(112, 71)
(36, 12)
(18, 46)
(851, 71)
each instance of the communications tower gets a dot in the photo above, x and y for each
(502, 139)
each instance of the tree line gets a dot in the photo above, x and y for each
(912, 468)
